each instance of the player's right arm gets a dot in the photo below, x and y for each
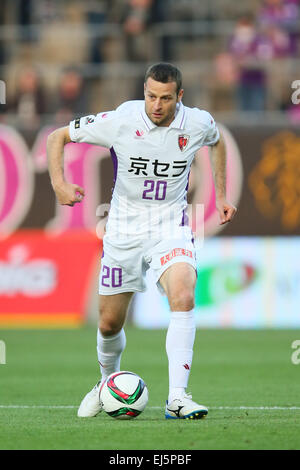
(96, 130)
(66, 193)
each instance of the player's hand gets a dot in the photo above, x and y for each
(68, 194)
(226, 211)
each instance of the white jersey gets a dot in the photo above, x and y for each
(151, 164)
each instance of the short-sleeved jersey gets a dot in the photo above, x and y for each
(151, 164)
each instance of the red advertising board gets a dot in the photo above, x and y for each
(45, 279)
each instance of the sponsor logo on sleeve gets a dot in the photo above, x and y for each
(89, 119)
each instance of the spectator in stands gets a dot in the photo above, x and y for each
(162, 12)
(24, 18)
(277, 47)
(158, 12)
(276, 41)
(135, 16)
(71, 100)
(97, 15)
(283, 14)
(225, 82)
(245, 47)
(254, 50)
(135, 21)
(29, 101)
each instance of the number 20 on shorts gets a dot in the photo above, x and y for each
(111, 277)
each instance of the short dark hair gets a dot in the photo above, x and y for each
(165, 73)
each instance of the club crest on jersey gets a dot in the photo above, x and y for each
(183, 141)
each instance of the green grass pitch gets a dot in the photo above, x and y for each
(246, 378)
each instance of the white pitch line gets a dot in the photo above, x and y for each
(254, 408)
(39, 406)
(158, 407)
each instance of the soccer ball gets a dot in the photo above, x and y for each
(123, 395)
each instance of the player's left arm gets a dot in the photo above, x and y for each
(218, 163)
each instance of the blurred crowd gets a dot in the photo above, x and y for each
(55, 56)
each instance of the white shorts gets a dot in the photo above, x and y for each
(125, 262)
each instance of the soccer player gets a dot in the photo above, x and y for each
(152, 144)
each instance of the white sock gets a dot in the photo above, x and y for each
(179, 346)
(109, 350)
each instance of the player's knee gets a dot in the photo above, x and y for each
(108, 325)
(109, 328)
(182, 301)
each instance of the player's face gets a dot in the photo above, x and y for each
(160, 101)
